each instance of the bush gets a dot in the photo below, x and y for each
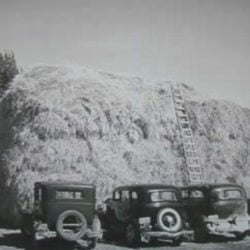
(8, 70)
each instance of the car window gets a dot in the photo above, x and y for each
(125, 195)
(117, 195)
(184, 194)
(229, 194)
(134, 195)
(197, 194)
(69, 195)
(163, 196)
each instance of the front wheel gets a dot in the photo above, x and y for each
(27, 228)
(240, 236)
(133, 236)
(177, 241)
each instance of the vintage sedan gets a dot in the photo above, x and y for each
(216, 210)
(63, 209)
(146, 213)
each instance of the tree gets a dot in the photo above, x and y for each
(8, 70)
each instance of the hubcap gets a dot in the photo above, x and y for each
(169, 220)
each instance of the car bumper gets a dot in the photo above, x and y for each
(227, 227)
(43, 232)
(166, 235)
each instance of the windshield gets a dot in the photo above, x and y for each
(228, 194)
(163, 196)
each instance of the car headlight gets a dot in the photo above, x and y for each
(144, 220)
(213, 218)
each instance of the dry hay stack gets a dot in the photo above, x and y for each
(77, 124)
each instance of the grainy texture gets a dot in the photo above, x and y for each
(62, 123)
(12, 240)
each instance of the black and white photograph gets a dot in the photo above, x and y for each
(124, 124)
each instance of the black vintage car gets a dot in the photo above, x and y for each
(145, 213)
(63, 209)
(216, 210)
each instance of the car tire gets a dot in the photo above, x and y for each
(27, 228)
(177, 241)
(153, 240)
(92, 244)
(133, 237)
(240, 236)
(81, 223)
(200, 233)
(26, 233)
(169, 216)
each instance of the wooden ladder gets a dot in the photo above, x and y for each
(193, 172)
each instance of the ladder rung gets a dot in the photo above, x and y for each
(190, 153)
(195, 182)
(183, 117)
(176, 89)
(178, 98)
(190, 143)
(194, 166)
(195, 177)
(193, 161)
(194, 169)
(187, 133)
(193, 158)
(188, 140)
(182, 113)
(184, 122)
(180, 108)
(189, 147)
(185, 125)
(187, 129)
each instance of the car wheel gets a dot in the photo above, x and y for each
(71, 225)
(92, 244)
(133, 236)
(169, 220)
(153, 240)
(240, 236)
(27, 233)
(27, 228)
(177, 241)
(200, 234)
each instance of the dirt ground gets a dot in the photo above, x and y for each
(12, 240)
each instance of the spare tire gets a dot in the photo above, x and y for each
(71, 225)
(169, 220)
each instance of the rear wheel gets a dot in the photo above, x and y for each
(133, 236)
(27, 228)
(71, 225)
(200, 233)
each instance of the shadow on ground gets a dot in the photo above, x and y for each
(17, 241)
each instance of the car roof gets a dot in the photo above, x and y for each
(146, 187)
(210, 186)
(67, 184)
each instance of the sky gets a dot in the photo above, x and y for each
(203, 43)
